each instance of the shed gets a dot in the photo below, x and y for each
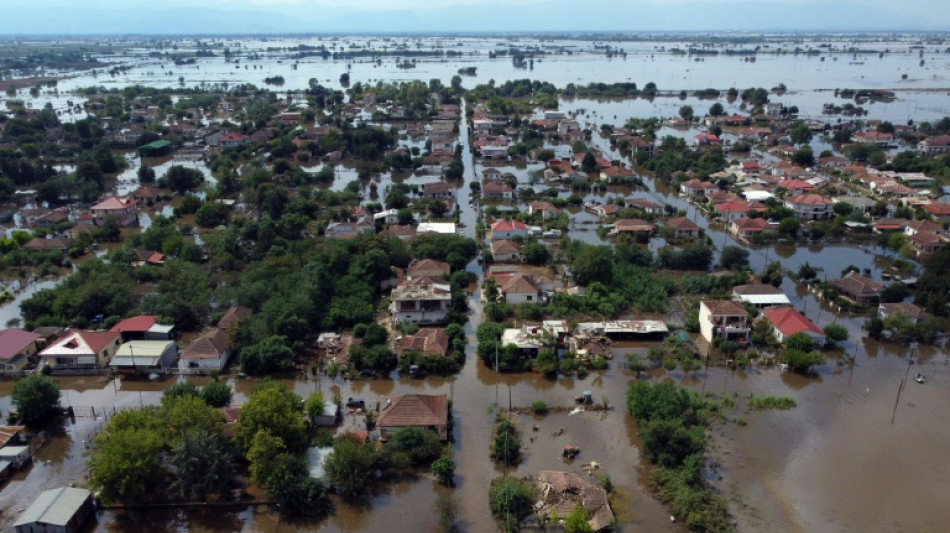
(61, 510)
(19, 456)
(156, 149)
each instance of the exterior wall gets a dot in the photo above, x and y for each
(435, 314)
(705, 323)
(521, 298)
(209, 364)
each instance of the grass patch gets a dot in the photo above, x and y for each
(768, 403)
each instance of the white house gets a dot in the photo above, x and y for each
(723, 318)
(508, 229)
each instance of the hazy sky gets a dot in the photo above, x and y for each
(935, 8)
(277, 16)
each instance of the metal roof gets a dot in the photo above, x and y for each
(54, 507)
(765, 299)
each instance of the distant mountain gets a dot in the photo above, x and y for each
(173, 17)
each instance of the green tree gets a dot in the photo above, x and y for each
(734, 258)
(592, 263)
(510, 500)
(179, 389)
(589, 163)
(269, 355)
(273, 408)
(800, 132)
(127, 462)
(686, 112)
(789, 226)
(36, 398)
(804, 157)
(314, 406)
(202, 465)
(717, 110)
(576, 522)
(181, 179)
(146, 174)
(412, 445)
(933, 286)
(506, 447)
(263, 455)
(801, 361)
(348, 467)
(799, 341)
(443, 469)
(536, 253)
(216, 394)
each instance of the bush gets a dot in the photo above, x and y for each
(539, 407)
(443, 469)
(836, 332)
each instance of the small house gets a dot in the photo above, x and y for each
(683, 228)
(425, 411)
(82, 349)
(16, 347)
(786, 321)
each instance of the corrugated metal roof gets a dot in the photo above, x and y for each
(765, 299)
(55, 507)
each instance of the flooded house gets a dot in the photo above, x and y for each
(723, 318)
(425, 302)
(426, 341)
(760, 295)
(913, 312)
(81, 350)
(16, 348)
(858, 288)
(122, 209)
(683, 228)
(424, 411)
(787, 321)
(506, 251)
(561, 492)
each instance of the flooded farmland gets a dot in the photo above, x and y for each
(849, 457)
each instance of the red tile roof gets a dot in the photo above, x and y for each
(509, 225)
(789, 321)
(419, 410)
(234, 314)
(211, 344)
(427, 341)
(136, 324)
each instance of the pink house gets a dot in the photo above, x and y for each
(123, 209)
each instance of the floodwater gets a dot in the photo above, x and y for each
(834, 463)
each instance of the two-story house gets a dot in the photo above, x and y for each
(810, 206)
(723, 318)
(422, 302)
